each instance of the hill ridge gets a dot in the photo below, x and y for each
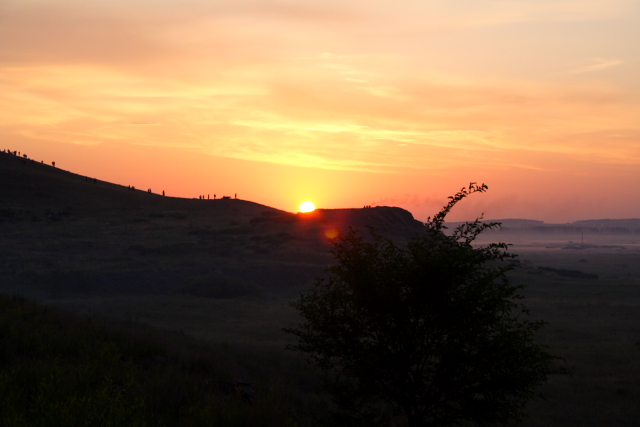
(64, 232)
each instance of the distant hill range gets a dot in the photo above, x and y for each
(601, 226)
(65, 233)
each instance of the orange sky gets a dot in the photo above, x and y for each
(342, 103)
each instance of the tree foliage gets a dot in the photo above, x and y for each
(429, 334)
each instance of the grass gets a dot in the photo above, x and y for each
(593, 323)
(61, 369)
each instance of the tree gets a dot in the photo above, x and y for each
(429, 334)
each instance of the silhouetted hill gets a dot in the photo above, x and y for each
(632, 223)
(598, 226)
(67, 233)
(518, 223)
(36, 188)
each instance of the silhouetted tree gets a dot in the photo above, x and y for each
(430, 334)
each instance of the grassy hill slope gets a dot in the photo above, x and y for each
(66, 233)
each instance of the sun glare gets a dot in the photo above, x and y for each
(307, 207)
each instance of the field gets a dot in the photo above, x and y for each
(221, 273)
(593, 323)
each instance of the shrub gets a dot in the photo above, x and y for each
(432, 333)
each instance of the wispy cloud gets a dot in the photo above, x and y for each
(597, 64)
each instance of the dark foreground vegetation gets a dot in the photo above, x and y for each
(433, 334)
(58, 369)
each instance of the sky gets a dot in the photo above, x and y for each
(344, 103)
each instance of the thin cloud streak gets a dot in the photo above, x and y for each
(598, 65)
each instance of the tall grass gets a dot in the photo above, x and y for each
(57, 369)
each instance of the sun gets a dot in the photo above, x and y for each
(307, 207)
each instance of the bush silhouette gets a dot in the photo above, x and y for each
(431, 334)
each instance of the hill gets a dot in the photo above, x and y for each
(67, 233)
(598, 226)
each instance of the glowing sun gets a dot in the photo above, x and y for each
(307, 207)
